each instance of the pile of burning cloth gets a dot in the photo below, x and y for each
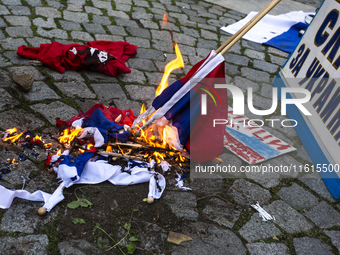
(89, 168)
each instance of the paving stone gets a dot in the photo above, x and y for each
(186, 50)
(183, 204)
(18, 20)
(236, 48)
(185, 39)
(222, 212)
(166, 47)
(265, 66)
(126, 23)
(287, 218)
(20, 10)
(82, 36)
(277, 60)
(149, 24)
(93, 28)
(251, 193)
(103, 20)
(6, 100)
(40, 91)
(140, 42)
(231, 69)
(20, 119)
(335, 237)
(70, 26)
(324, 215)
(252, 45)
(80, 2)
(11, 2)
(54, 33)
(2, 24)
(158, 5)
(19, 31)
(142, 15)
(109, 91)
(141, 3)
(142, 64)
(4, 10)
(19, 70)
(191, 32)
(267, 248)
(302, 153)
(202, 52)
(128, 104)
(266, 90)
(172, 8)
(99, 77)
(255, 75)
(141, 92)
(117, 30)
(101, 4)
(205, 183)
(150, 54)
(311, 246)
(135, 76)
(76, 16)
(49, 23)
(138, 32)
(261, 103)
(140, 9)
(226, 21)
(55, 110)
(56, 4)
(257, 229)
(208, 35)
(236, 59)
(244, 84)
(160, 35)
(208, 44)
(315, 182)
(66, 76)
(297, 197)
(78, 247)
(93, 10)
(31, 244)
(47, 12)
(229, 159)
(75, 89)
(123, 7)
(209, 239)
(118, 14)
(22, 217)
(15, 59)
(112, 38)
(75, 7)
(154, 11)
(278, 52)
(254, 54)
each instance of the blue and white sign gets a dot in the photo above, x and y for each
(314, 65)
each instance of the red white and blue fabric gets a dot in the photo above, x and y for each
(281, 31)
(180, 105)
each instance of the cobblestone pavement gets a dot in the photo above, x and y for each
(307, 217)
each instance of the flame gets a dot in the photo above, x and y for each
(68, 135)
(14, 138)
(47, 145)
(13, 161)
(89, 146)
(59, 152)
(12, 130)
(37, 138)
(109, 148)
(158, 157)
(142, 109)
(81, 150)
(173, 65)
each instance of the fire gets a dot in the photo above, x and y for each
(12, 130)
(59, 152)
(68, 135)
(14, 138)
(37, 138)
(47, 145)
(81, 150)
(173, 65)
(89, 146)
(109, 148)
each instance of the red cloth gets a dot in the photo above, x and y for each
(110, 113)
(103, 56)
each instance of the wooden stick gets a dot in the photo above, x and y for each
(121, 155)
(144, 147)
(240, 33)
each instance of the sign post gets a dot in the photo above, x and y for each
(314, 65)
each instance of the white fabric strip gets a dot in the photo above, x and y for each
(269, 27)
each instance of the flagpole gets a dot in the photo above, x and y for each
(240, 33)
